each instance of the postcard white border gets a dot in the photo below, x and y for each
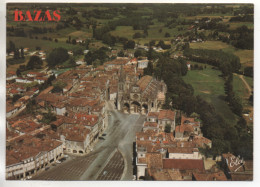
(5, 183)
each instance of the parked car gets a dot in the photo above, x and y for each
(29, 177)
(58, 162)
(104, 134)
(101, 138)
(62, 159)
(66, 156)
(47, 168)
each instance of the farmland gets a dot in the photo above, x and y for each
(44, 44)
(246, 56)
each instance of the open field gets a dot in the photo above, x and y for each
(240, 89)
(212, 45)
(44, 44)
(246, 56)
(250, 81)
(210, 86)
(125, 31)
(153, 32)
(234, 25)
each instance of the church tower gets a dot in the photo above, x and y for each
(121, 89)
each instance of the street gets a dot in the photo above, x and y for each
(117, 144)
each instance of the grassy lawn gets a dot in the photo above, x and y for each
(246, 56)
(210, 86)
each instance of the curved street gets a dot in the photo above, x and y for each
(119, 138)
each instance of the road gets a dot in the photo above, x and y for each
(246, 84)
(120, 135)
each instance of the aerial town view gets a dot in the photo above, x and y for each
(130, 92)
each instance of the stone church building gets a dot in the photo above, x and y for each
(140, 94)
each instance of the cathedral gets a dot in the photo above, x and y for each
(139, 94)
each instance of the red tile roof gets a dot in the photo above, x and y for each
(187, 150)
(150, 124)
(184, 164)
(153, 114)
(144, 81)
(166, 114)
(154, 160)
(216, 176)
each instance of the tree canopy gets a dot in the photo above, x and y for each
(57, 56)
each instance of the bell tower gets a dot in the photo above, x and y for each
(121, 88)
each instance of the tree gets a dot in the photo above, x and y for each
(34, 62)
(11, 46)
(30, 107)
(138, 53)
(109, 39)
(16, 54)
(58, 87)
(18, 72)
(74, 42)
(57, 56)
(121, 53)
(149, 69)
(15, 98)
(137, 35)
(48, 117)
(152, 43)
(77, 51)
(56, 40)
(129, 44)
(167, 128)
(22, 52)
(249, 71)
(167, 35)
(72, 62)
(37, 48)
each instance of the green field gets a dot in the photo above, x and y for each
(125, 31)
(240, 89)
(153, 32)
(210, 86)
(234, 25)
(44, 44)
(250, 81)
(246, 56)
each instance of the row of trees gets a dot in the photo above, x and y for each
(226, 62)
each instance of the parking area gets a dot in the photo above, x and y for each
(114, 168)
(68, 170)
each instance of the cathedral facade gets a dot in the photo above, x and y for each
(140, 94)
